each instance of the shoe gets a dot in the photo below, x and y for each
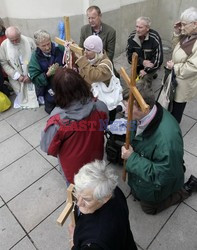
(41, 100)
(155, 76)
(191, 185)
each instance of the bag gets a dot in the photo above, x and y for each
(113, 147)
(26, 98)
(111, 95)
(5, 102)
(167, 92)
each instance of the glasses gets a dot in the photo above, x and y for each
(77, 196)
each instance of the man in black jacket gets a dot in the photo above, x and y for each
(147, 44)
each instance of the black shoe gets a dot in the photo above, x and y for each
(191, 185)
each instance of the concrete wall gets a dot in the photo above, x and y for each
(31, 15)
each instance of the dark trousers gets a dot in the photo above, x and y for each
(177, 110)
(155, 208)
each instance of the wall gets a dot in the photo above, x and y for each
(30, 15)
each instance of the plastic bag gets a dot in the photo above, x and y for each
(5, 102)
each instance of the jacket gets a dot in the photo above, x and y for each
(75, 135)
(185, 68)
(151, 49)
(107, 228)
(107, 34)
(96, 72)
(39, 64)
(155, 168)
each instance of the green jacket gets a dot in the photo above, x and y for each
(155, 168)
(108, 36)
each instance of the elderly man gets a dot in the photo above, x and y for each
(15, 54)
(155, 158)
(97, 27)
(43, 65)
(147, 44)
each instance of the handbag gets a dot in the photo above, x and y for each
(111, 95)
(167, 92)
(5, 102)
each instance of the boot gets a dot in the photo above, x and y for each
(191, 185)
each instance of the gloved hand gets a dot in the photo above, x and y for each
(52, 69)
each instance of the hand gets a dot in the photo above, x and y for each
(148, 64)
(125, 153)
(177, 27)
(52, 69)
(170, 64)
(21, 78)
(26, 79)
(142, 73)
(71, 229)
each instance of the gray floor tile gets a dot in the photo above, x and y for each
(43, 234)
(1, 202)
(24, 244)
(22, 173)
(53, 160)
(39, 200)
(25, 118)
(191, 109)
(34, 130)
(180, 231)
(6, 131)
(145, 227)
(10, 230)
(190, 140)
(12, 149)
(186, 124)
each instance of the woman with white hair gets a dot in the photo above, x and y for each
(103, 222)
(184, 60)
(95, 65)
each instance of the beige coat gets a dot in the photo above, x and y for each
(96, 72)
(186, 73)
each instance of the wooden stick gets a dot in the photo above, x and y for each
(73, 46)
(67, 28)
(68, 210)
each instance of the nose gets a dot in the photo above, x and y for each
(80, 202)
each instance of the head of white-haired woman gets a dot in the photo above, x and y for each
(93, 48)
(94, 186)
(43, 41)
(188, 21)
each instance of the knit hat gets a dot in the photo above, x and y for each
(93, 43)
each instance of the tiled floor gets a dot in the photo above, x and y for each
(33, 193)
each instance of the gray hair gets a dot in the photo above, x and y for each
(97, 177)
(189, 15)
(147, 20)
(12, 30)
(40, 36)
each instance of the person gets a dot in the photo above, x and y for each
(15, 54)
(43, 64)
(183, 61)
(155, 163)
(103, 222)
(97, 27)
(2, 31)
(94, 65)
(147, 43)
(73, 132)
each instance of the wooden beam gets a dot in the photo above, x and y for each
(73, 46)
(67, 28)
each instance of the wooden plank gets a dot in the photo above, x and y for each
(67, 28)
(73, 46)
(65, 213)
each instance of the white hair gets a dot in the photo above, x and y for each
(145, 19)
(97, 177)
(189, 15)
(41, 35)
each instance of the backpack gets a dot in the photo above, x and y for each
(113, 147)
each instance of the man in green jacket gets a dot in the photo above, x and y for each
(155, 163)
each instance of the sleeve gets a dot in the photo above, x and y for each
(82, 37)
(38, 77)
(188, 68)
(111, 42)
(49, 141)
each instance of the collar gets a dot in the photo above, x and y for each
(97, 32)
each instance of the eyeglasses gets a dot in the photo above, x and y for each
(77, 196)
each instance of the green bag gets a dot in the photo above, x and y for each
(5, 102)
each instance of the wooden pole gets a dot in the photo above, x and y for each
(67, 28)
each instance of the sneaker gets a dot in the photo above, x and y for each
(191, 185)
(41, 100)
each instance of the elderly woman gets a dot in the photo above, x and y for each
(43, 64)
(74, 131)
(95, 66)
(103, 222)
(184, 61)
